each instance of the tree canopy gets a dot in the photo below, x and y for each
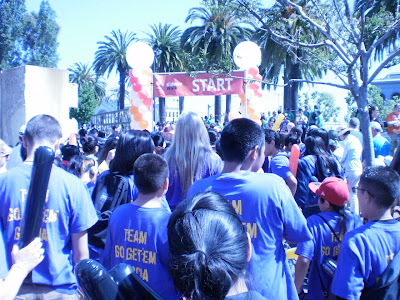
(27, 38)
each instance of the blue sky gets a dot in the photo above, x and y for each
(85, 22)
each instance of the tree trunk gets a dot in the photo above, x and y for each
(361, 96)
(181, 104)
(295, 86)
(217, 106)
(227, 107)
(286, 78)
(161, 110)
(121, 100)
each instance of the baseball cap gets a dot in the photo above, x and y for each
(332, 189)
(376, 126)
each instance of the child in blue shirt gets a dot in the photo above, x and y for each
(137, 233)
(368, 250)
(327, 228)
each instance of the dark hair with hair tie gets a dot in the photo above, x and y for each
(208, 245)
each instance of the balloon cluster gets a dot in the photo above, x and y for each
(139, 57)
(251, 101)
(140, 96)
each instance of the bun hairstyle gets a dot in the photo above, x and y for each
(88, 144)
(208, 245)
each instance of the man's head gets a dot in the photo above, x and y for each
(42, 130)
(354, 123)
(272, 141)
(238, 138)
(376, 128)
(297, 130)
(116, 128)
(290, 140)
(94, 132)
(150, 174)
(378, 186)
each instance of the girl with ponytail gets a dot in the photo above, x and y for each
(209, 248)
(328, 228)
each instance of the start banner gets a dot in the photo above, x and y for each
(203, 84)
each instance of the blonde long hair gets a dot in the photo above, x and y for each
(188, 150)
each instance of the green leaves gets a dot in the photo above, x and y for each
(87, 103)
(27, 38)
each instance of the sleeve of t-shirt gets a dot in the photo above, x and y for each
(83, 212)
(295, 225)
(348, 281)
(306, 248)
(3, 260)
(280, 166)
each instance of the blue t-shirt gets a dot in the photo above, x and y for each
(68, 209)
(3, 261)
(138, 236)
(212, 165)
(323, 246)
(364, 255)
(279, 165)
(381, 146)
(270, 214)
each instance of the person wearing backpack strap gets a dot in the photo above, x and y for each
(367, 251)
(328, 228)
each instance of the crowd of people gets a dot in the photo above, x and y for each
(205, 212)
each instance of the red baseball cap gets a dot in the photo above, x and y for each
(332, 189)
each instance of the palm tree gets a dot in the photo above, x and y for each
(215, 38)
(165, 41)
(283, 60)
(112, 54)
(83, 74)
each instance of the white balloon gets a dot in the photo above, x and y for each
(247, 54)
(135, 100)
(139, 55)
(143, 109)
(148, 116)
(134, 124)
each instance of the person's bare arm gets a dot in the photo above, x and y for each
(291, 182)
(80, 248)
(24, 261)
(300, 272)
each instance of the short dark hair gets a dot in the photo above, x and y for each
(93, 131)
(238, 138)
(272, 135)
(213, 135)
(150, 171)
(291, 139)
(383, 183)
(354, 122)
(297, 130)
(208, 246)
(43, 128)
(68, 151)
